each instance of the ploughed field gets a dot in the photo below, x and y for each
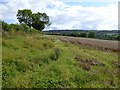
(34, 60)
(108, 45)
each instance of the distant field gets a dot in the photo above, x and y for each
(97, 43)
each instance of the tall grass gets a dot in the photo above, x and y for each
(40, 61)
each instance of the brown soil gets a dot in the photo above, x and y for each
(107, 45)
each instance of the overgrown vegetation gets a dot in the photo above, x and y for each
(17, 27)
(34, 60)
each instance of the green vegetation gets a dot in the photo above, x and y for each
(35, 20)
(91, 35)
(83, 35)
(16, 27)
(106, 35)
(110, 36)
(28, 20)
(34, 60)
(31, 59)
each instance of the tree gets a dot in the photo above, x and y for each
(118, 37)
(91, 35)
(83, 35)
(24, 16)
(37, 23)
(35, 20)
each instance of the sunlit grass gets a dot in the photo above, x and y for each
(36, 60)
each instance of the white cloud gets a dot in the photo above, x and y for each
(65, 16)
(87, 17)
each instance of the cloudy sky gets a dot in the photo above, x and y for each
(67, 14)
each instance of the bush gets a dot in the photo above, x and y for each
(5, 26)
(17, 27)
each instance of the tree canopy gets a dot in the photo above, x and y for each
(91, 35)
(35, 20)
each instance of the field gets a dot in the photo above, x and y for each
(107, 45)
(44, 61)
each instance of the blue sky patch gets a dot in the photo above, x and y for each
(90, 4)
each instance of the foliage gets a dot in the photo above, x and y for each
(35, 20)
(110, 36)
(42, 61)
(20, 28)
(24, 16)
(83, 35)
(5, 26)
(105, 34)
(91, 35)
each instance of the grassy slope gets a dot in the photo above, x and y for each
(30, 61)
(0, 61)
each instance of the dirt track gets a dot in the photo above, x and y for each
(97, 43)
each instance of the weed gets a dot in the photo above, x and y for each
(57, 52)
(33, 60)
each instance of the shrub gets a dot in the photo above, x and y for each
(5, 26)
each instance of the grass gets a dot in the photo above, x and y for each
(0, 61)
(40, 61)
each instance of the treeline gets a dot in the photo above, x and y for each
(83, 34)
(109, 37)
(106, 35)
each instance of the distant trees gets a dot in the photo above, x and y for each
(35, 20)
(111, 36)
(91, 35)
(83, 35)
(118, 37)
(75, 34)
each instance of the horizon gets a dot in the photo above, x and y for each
(87, 15)
(76, 30)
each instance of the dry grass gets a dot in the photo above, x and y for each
(86, 64)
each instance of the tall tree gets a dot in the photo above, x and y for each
(24, 16)
(35, 20)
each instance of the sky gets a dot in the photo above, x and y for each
(67, 14)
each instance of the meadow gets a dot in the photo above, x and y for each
(35, 60)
